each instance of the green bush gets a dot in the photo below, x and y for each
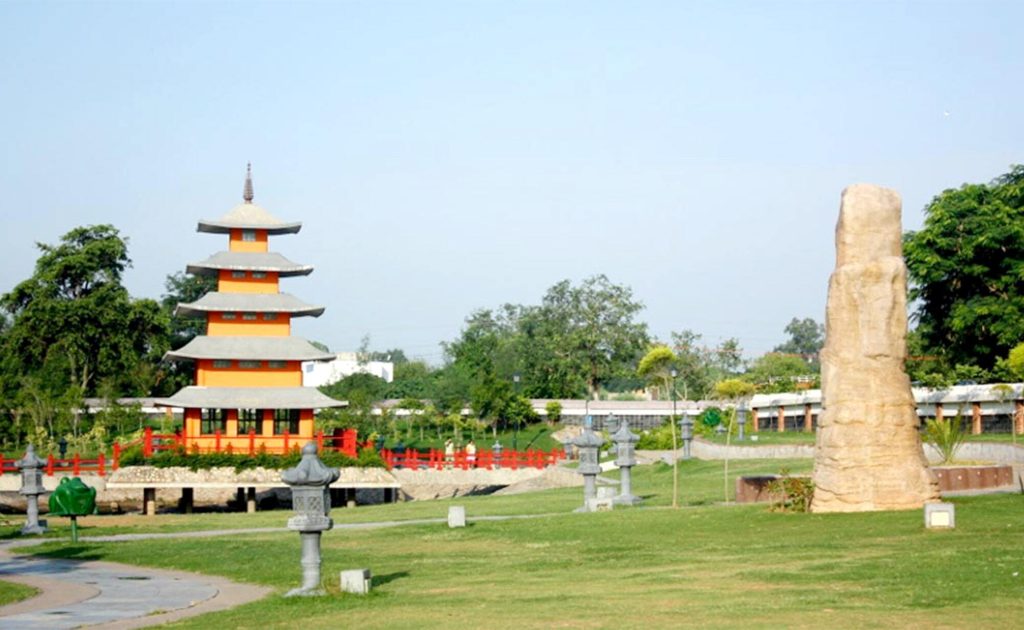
(194, 460)
(790, 494)
(659, 439)
(946, 436)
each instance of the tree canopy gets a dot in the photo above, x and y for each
(74, 317)
(806, 338)
(966, 267)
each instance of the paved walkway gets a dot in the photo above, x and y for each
(108, 595)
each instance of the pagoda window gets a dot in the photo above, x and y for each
(228, 315)
(269, 317)
(249, 365)
(250, 420)
(277, 365)
(249, 317)
(286, 420)
(259, 274)
(222, 363)
(213, 420)
(237, 274)
(249, 236)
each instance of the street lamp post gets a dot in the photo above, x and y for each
(515, 437)
(675, 456)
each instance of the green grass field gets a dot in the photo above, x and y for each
(11, 592)
(704, 565)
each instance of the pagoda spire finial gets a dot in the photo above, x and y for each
(247, 194)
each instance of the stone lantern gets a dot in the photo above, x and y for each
(587, 446)
(311, 500)
(496, 449)
(741, 421)
(686, 426)
(32, 486)
(625, 458)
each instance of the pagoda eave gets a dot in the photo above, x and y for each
(249, 349)
(271, 262)
(248, 302)
(198, 397)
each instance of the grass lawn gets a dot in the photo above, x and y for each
(766, 438)
(11, 592)
(705, 565)
(701, 483)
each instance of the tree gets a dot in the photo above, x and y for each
(806, 337)
(74, 316)
(700, 367)
(774, 372)
(598, 327)
(184, 289)
(1015, 362)
(965, 266)
(656, 368)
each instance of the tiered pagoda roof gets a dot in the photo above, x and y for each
(248, 216)
(254, 347)
(250, 398)
(248, 302)
(249, 349)
(249, 261)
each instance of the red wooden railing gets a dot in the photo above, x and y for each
(346, 442)
(435, 459)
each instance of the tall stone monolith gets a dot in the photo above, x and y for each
(868, 454)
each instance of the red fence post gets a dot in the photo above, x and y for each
(49, 466)
(319, 441)
(286, 441)
(386, 456)
(75, 462)
(101, 465)
(117, 456)
(1, 463)
(348, 442)
(147, 442)
(252, 442)
(216, 441)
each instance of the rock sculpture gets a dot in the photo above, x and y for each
(868, 454)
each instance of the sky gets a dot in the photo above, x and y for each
(450, 156)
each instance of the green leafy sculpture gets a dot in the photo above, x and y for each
(73, 498)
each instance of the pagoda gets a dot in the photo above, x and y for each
(248, 391)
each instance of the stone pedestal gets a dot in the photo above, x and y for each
(868, 454)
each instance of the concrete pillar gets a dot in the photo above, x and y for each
(976, 418)
(350, 497)
(808, 418)
(187, 500)
(1018, 416)
(240, 496)
(149, 501)
(755, 425)
(250, 500)
(782, 419)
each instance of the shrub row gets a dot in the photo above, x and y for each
(194, 460)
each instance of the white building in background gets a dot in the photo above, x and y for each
(316, 374)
